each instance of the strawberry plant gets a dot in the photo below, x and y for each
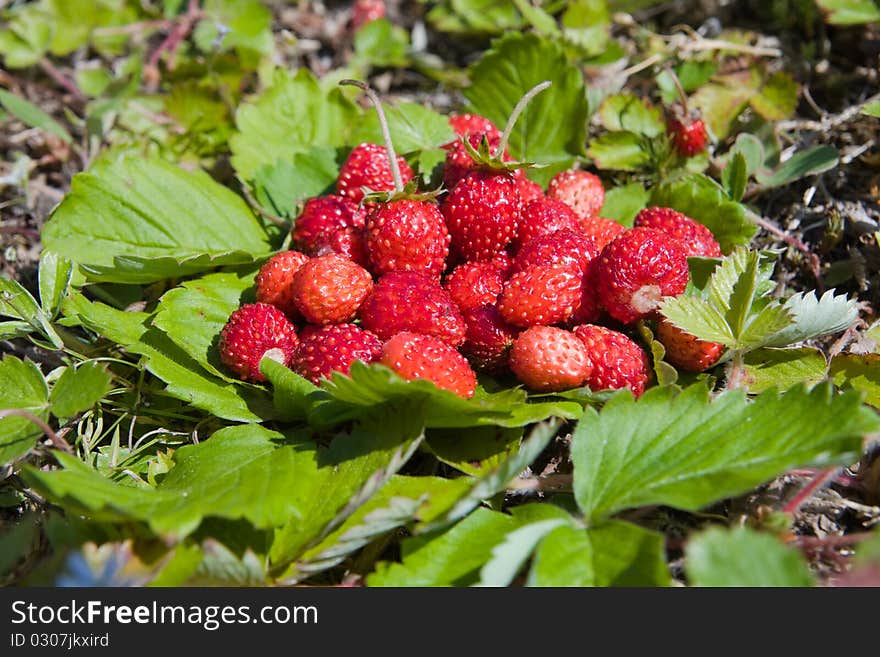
(536, 320)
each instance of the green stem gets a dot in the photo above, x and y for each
(386, 133)
(520, 106)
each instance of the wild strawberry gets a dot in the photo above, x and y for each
(409, 301)
(687, 133)
(459, 162)
(488, 339)
(589, 309)
(615, 360)
(563, 247)
(348, 242)
(638, 269)
(693, 237)
(368, 166)
(322, 216)
(366, 11)
(275, 278)
(417, 356)
(253, 331)
(543, 216)
(504, 262)
(685, 351)
(548, 359)
(601, 230)
(541, 295)
(407, 235)
(581, 190)
(467, 124)
(483, 209)
(528, 190)
(333, 349)
(329, 289)
(482, 214)
(473, 284)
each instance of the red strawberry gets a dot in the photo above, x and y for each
(474, 284)
(589, 310)
(688, 134)
(459, 162)
(548, 359)
(253, 331)
(467, 124)
(541, 295)
(416, 356)
(685, 351)
(407, 235)
(528, 190)
(367, 166)
(348, 242)
(564, 247)
(543, 216)
(366, 11)
(275, 278)
(503, 261)
(333, 349)
(482, 214)
(488, 339)
(329, 289)
(694, 237)
(615, 360)
(582, 191)
(601, 230)
(638, 269)
(409, 301)
(322, 216)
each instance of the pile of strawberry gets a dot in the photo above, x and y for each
(493, 275)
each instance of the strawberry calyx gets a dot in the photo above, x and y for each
(409, 192)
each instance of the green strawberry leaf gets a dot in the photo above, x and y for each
(55, 274)
(18, 303)
(742, 557)
(627, 112)
(292, 116)
(552, 129)
(624, 202)
(511, 554)
(614, 553)
(858, 372)
(812, 317)
(282, 187)
(688, 451)
(783, 368)
(400, 502)
(131, 219)
(269, 479)
(495, 480)
(413, 128)
(22, 386)
(800, 165)
(79, 389)
(344, 398)
(475, 451)
(352, 470)
(849, 12)
(186, 379)
(620, 151)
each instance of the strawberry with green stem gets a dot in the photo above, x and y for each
(483, 210)
(404, 231)
(685, 128)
